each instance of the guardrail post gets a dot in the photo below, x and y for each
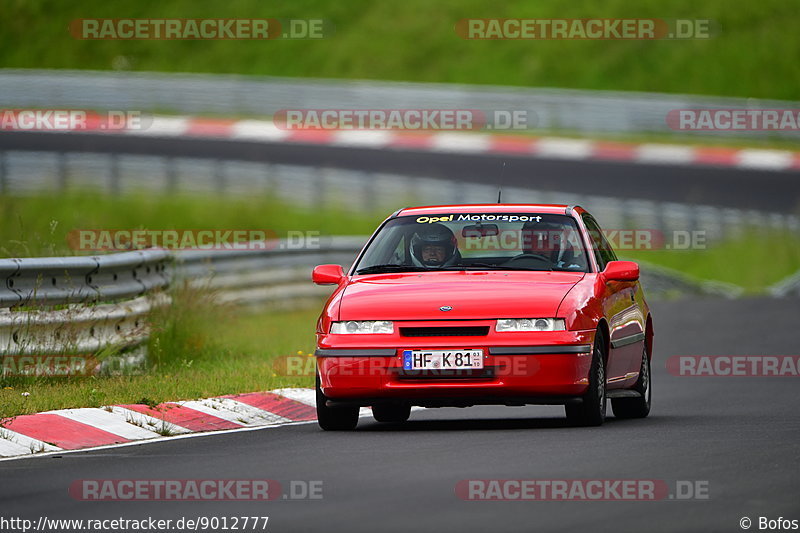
(319, 188)
(114, 173)
(370, 196)
(3, 174)
(219, 175)
(172, 174)
(62, 170)
(269, 180)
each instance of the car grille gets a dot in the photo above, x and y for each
(482, 373)
(445, 331)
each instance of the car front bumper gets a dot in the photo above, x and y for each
(519, 368)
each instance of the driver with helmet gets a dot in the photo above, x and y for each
(434, 246)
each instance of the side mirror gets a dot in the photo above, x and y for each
(327, 274)
(621, 271)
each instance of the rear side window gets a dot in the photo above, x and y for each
(603, 252)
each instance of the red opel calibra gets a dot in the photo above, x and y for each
(461, 305)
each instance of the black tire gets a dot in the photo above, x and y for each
(592, 410)
(335, 418)
(391, 412)
(637, 407)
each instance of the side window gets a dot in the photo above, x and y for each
(602, 249)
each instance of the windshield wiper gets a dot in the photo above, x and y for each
(377, 269)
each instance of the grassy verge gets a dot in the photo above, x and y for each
(197, 351)
(38, 225)
(753, 261)
(416, 41)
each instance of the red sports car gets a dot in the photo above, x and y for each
(506, 304)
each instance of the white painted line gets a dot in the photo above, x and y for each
(563, 148)
(460, 142)
(29, 445)
(149, 422)
(161, 126)
(258, 130)
(766, 159)
(11, 449)
(365, 138)
(216, 433)
(112, 422)
(309, 397)
(15, 446)
(664, 153)
(306, 396)
(234, 411)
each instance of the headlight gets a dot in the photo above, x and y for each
(362, 326)
(530, 324)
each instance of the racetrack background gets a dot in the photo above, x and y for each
(211, 157)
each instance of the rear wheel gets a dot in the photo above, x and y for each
(592, 410)
(335, 418)
(388, 412)
(636, 407)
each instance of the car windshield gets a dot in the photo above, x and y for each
(476, 241)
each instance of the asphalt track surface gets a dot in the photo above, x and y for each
(738, 435)
(719, 186)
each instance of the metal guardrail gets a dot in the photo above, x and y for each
(81, 305)
(84, 305)
(277, 274)
(77, 329)
(66, 280)
(789, 286)
(370, 192)
(554, 109)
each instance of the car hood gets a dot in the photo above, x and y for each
(471, 294)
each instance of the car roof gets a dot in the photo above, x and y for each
(555, 209)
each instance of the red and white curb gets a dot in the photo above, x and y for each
(473, 143)
(75, 429)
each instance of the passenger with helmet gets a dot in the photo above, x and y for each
(547, 241)
(434, 246)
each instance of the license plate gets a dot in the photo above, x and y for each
(442, 359)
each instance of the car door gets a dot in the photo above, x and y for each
(623, 313)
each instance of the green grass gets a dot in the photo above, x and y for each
(753, 261)
(197, 351)
(38, 225)
(753, 55)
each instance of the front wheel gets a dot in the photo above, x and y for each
(592, 410)
(636, 407)
(335, 418)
